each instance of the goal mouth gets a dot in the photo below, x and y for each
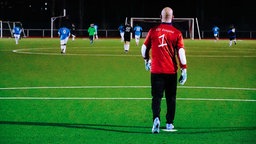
(185, 25)
(6, 28)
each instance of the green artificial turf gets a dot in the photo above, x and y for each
(98, 94)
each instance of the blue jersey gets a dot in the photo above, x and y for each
(215, 30)
(232, 33)
(121, 29)
(16, 30)
(96, 27)
(137, 30)
(64, 33)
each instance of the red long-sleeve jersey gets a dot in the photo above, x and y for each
(164, 41)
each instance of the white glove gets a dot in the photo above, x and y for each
(183, 76)
(147, 65)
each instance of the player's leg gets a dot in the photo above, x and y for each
(170, 95)
(73, 36)
(126, 46)
(137, 40)
(16, 38)
(157, 88)
(235, 41)
(91, 37)
(62, 46)
(122, 37)
(126, 43)
(230, 42)
(65, 44)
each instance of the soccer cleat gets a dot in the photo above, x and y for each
(169, 126)
(156, 126)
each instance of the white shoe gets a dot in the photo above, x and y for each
(156, 126)
(169, 126)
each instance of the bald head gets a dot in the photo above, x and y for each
(167, 15)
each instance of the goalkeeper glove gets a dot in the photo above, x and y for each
(183, 76)
(147, 65)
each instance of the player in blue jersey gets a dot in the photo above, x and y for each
(121, 31)
(137, 33)
(215, 31)
(16, 33)
(232, 35)
(96, 31)
(64, 34)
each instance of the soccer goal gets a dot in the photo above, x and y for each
(7, 26)
(54, 18)
(185, 25)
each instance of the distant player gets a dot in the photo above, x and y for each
(121, 31)
(73, 31)
(16, 33)
(91, 31)
(127, 37)
(232, 35)
(215, 31)
(64, 34)
(137, 33)
(96, 31)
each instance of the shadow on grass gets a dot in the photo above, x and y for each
(103, 127)
(132, 129)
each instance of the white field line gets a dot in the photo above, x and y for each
(93, 98)
(24, 51)
(121, 87)
(118, 87)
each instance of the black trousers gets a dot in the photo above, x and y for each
(164, 84)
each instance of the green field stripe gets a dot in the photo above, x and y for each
(121, 87)
(119, 98)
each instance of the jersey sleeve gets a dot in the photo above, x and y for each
(181, 52)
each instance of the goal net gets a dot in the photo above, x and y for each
(7, 26)
(185, 25)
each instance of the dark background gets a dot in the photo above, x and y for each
(109, 14)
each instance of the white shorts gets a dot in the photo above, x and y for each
(64, 41)
(137, 36)
(17, 36)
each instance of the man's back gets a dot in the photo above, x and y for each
(16, 30)
(127, 29)
(64, 33)
(215, 29)
(137, 30)
(164, 41)
(121, 28)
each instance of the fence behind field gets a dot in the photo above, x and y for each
(114, 33)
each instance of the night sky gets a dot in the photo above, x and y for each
(109, 14)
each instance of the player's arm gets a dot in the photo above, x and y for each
(183, 66)
(145, 55)
(182, 60)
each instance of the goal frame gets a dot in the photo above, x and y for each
(191, 23)
(10, 25)
(54, 18)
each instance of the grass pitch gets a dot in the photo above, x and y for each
(98, 94)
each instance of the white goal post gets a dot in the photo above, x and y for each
(6, 28)
(54, 18)
(186, 25)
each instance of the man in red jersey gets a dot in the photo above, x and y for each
(165, 42)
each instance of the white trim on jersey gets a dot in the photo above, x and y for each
(182, 56)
